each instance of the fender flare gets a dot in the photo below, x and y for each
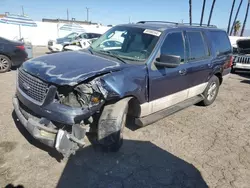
(110, 121)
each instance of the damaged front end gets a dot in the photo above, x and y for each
(64, 116)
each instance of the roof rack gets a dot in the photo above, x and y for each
(176, 23)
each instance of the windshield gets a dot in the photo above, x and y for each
(71, 35)
(126, 42)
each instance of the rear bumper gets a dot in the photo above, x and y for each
(18, 59)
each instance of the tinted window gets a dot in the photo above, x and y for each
(221, 42)
(174, 45)
(197, 47)
(97, 35)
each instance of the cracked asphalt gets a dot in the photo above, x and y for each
(196, 147)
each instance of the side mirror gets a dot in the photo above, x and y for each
(170, 61)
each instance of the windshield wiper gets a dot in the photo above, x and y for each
(113, 55)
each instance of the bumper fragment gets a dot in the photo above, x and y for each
(65, 142)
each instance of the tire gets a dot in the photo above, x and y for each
(232, 70)
(111, 125)
(5, 64)
(211, 91)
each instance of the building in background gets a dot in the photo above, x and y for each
(73, 20)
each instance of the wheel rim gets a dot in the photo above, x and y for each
(211, 91)
(4, 64)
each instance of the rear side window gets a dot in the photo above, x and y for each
(197, 47)
(174, 45)
(221, 42)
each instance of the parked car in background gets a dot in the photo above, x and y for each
(241, 58)
(12, 54)
(60, 43)
(160, 68)
(78, 44)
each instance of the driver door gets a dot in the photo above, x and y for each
(169, 86)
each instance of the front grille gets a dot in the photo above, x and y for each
(32, 86)
(242, 59)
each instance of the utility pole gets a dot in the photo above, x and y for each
(87, 14)
(22, 11)
(68, 14)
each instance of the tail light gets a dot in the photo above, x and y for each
(231, 61)
(21, 47)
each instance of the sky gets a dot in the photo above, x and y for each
(119, 11)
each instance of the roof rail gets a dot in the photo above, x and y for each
(176, 23)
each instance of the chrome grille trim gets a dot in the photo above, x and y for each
(31, 86)
(242, 59)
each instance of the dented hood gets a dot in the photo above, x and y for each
(70, 68)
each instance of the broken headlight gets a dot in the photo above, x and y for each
(79, 96)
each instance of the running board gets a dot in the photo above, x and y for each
(143, 121)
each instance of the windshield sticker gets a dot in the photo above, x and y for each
(152, 32)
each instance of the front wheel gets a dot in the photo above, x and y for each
(211, 91)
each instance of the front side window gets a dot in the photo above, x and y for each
(131, 43)
(174, 45)
(197, 47)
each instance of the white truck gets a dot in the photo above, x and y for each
(241, 58)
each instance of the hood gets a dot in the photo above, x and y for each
(244, 46)
(70, 68)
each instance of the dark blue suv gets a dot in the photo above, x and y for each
(158, 69)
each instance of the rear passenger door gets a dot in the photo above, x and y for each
(198, 60)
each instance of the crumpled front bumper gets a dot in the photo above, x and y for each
(64, 142)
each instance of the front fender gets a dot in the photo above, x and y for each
(131, 81)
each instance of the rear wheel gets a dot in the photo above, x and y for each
(5, 63)
(211, 91)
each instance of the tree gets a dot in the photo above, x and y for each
(230, 17)
(202, 12)
(211, 12)
(236, 26)
(235, 18)
(245, 20)
(190, 12)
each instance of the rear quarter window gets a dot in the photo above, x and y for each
(220, 42)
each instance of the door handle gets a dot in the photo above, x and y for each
(182, 71)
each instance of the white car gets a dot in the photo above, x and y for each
(59, 44)
(78, 45)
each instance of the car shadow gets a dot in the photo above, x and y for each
(51, 151)
(137, 164)
(12, 186)
(245, 74)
